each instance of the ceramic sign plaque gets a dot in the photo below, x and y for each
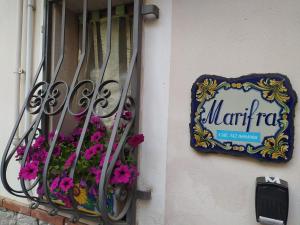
(250, 115)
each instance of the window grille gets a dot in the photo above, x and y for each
(56, 99)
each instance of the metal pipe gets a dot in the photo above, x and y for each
(18, 70)
(29, 54)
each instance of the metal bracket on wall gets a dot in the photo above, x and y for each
(150, 10)
(143, 195)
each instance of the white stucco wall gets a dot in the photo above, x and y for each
(8, 41)
(230, 38)
(154, 113)
(7, 64)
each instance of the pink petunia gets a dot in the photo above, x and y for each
(95, 120)
(97, 136)
(127, 115)
(67, 202)
(134, 174)
(30, 171)
(20, 151)
(40, 156)
(89, 153)
(40, 190)
(135, 140)
(77, 132)
(74, 144)
(54, 184)
(96, 172)
(51, 135)
(122, 174)
(93, 191)
(39, 142)
(70, 161)
(98, 176)
(57, 151)
(98, 147)
(66, 184)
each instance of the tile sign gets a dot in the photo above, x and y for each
(250, 115)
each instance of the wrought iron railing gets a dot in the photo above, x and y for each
(51, 97)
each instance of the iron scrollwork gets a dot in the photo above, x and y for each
(36, 97)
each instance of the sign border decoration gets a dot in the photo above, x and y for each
(274, 87)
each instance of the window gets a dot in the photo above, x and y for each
(79, 153)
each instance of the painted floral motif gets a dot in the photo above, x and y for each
(206, 90)
(203, 137)
(80, 194)
(274, 90)
(237, 85)
(275, 147)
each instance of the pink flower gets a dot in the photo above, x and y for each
(40, 155)
(70, 161)
(39, 141)
(66, 184)
(65, 199)
(93, 191)
(135, 140)
(89, 153)
(102, 161)
(77, 132)
(57, 151)
(40, 190)
(95, 120)
(98, 176)
(127, 115)
(97, 136)
(54, 184)
(134, 174)
(30, 171)
(20, 151)
(98, 147)
(97, 173)
(74, 144)
(122, 174)
(51, 135)
(63, 137)
(83, 183)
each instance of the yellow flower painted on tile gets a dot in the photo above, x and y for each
(203, 137)
(206, 90)
(275, 147)
(274, 90)
(80, 194)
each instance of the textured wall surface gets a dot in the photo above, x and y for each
(12, 218)
(230, 38)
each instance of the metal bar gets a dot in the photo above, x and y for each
(63, 114)
(46, 97)
(47, 28)
(102, 197)
(101, 75)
